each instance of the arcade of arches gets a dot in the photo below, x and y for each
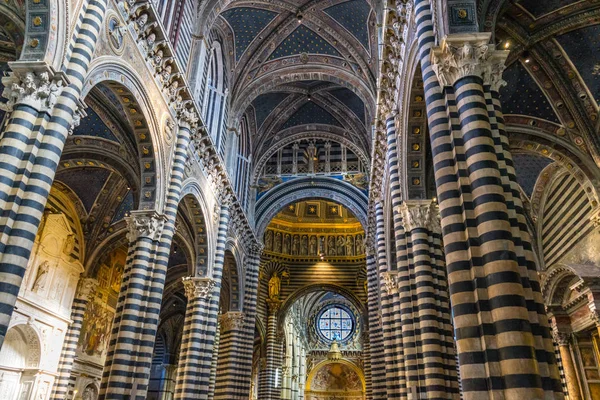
(299, 199)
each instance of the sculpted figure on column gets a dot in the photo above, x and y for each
(274, 286)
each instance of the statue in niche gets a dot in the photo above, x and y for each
(295, 245)
(340, 245)
(360, 245)
(313, 245)
(274, 286)
(285, 248)
(69, 244)
(304, 246)
(41, 278)
(269, 240)
(90, 393)
(277, 244)
(331, 246)
(349, 246)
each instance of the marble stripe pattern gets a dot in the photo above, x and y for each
(150, 236)
(502, 335)
(30, 149)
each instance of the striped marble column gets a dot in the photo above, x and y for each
(127, 346)
(376, 355)
(263, 379)
(129, 356)
(195, 361)
(85, 290)
(428, 336)
(191, 373)
(44, 108)
(396, 350)
(228, 369)
(502, 336)
(563, 341)
(215, 360)
(234, 372)
(274, 351)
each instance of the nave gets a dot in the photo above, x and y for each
(299, 199)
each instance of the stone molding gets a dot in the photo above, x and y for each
(145, 224)
(469, 54)
(421, 214)
(232, 320)
(198, 288)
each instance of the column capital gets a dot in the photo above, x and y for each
(232, 320)
(34, 86)
(145, 224)
(561, 338)
(274, 305)
(421, 214)
(469, 54)
(196, 287)
(390, 282)
(595, 218)
(85, 288)
(188, 118)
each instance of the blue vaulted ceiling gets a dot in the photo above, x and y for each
(124, 208)
(583, 46)
(538, 8)
(247, 23)
(311, 113)
(85, 182)
(303, 40)
(523, 96)
(528, 167)
(351, 100)
(92, 125)
(265, 104)
(354, 16)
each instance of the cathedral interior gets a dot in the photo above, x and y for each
(300, 199)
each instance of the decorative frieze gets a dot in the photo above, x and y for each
(198, 288)
(469, 54)
(144, 224)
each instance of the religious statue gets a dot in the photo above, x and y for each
(277, 244)
(313, 246)
(274, 286)
(304, 246)
(41, 278)
(340, 245)
(331, 246)
(90, 393)
(69, 244)
(295, 245)
(349, 246)
(285, 248)
(360, 245)
(269, 240)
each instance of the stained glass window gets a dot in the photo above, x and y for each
(336, 323)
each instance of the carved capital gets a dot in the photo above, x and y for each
(595, 218)
(232, 320)
(36, 89)
(469, 54)
(421, 214)
(85, 288)
(198, 288)
(274, 305)
(188, 118)
(390, 282)
(145, 224)
(561, 338)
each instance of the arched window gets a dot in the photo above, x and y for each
(242, 164)
(214, 109)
